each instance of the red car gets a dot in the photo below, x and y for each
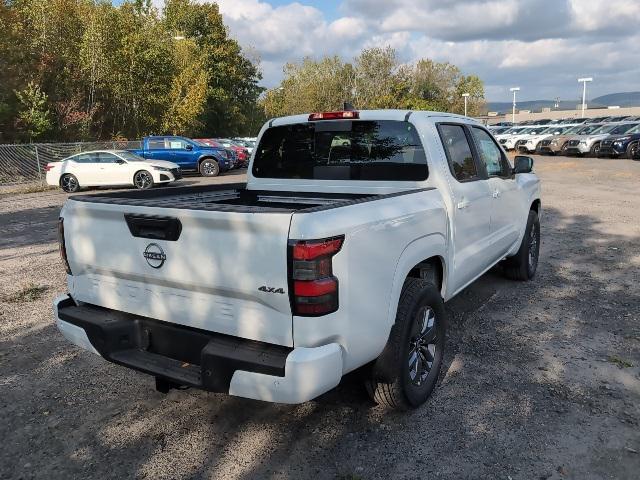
(241, 153)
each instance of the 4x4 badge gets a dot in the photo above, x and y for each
(271, 289)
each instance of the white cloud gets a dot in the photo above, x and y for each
(598, 15)
(543, 45)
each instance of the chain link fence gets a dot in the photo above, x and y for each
(24, 163)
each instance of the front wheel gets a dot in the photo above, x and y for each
(523, 265)
(143, 180)
(407, 371)
(209, 168)
(633, 150)
(69, 183)
(595, 150)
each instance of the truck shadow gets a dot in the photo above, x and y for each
(513, 383)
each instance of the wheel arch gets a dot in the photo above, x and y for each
(423, 255)
(536, 206)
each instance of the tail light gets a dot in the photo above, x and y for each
(62, 246)
(48, 167)
(343, 115)
(315, 289)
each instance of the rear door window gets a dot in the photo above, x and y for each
(342, 150)
(456, 146)
(156, 144)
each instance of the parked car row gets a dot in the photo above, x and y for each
(617, 137)
(161, 160)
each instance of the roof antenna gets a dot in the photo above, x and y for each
(348, 107)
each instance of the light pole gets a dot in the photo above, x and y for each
(513, 110)
(584, 91)
(465, 96)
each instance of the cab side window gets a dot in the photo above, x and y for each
(176, 144)
(490, 154)
(458, 151)
(156, 144)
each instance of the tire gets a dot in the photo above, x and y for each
(633, 150)
(523, 265)
(209, 168)
(393, 381)
(142, 180)
(595, 150)
(69, 183)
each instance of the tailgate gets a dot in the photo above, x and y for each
(209, 278)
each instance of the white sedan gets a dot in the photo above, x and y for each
(110, 168)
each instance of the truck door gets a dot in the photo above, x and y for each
(181, 152)
(471, 210)
(507, 208)
(157, 149)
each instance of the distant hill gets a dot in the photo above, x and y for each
(626, 99)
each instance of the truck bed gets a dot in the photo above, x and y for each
(231, 198)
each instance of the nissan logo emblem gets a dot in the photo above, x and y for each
(154, 255)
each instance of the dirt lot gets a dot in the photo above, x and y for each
(541, 380)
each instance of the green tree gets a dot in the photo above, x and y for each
(33, 116)
(232, 79)
(375, 79)
(474, 86)
(188, 94)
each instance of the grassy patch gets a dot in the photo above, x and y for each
(620, 362)
(33, 187)
(28, 293)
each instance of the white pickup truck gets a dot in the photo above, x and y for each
(352, 231)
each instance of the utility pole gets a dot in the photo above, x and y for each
(584, 92)
(465, 95)
(513, 111)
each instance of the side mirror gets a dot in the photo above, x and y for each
(189, 146)
(120, 161)
(523, 164)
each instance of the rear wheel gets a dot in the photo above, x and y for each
(523, 265)
(209, 168)
(69, 183)
(406, 372)
(143, 180)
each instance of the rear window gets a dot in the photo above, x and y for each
(342, 150)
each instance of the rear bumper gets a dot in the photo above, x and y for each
(201, 359)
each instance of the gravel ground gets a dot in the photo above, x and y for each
(541, 380)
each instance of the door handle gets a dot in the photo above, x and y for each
(496, 194)
(464, 204)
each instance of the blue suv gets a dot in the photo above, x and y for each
(187, 153)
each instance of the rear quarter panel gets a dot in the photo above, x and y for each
(384, 239)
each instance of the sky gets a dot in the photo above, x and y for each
(541, 46)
